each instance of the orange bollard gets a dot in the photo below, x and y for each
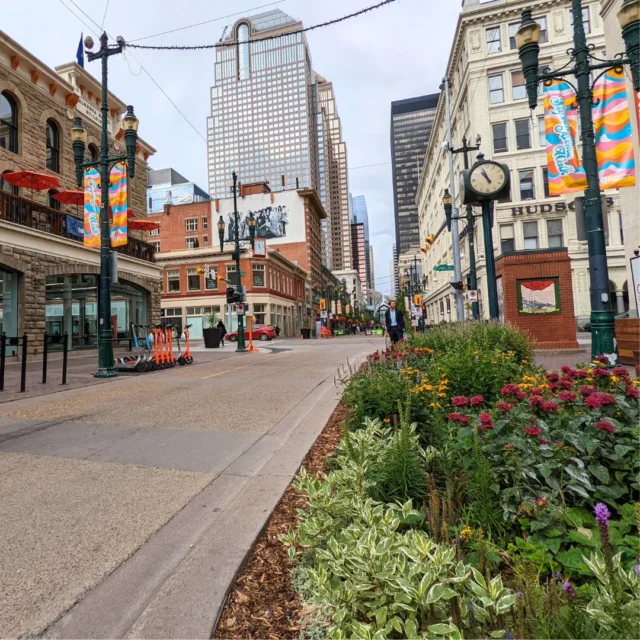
(251, 347)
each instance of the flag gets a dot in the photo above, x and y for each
(80, 52)
(118, 202)
(612, 124)
(92, 201)
(566, 173)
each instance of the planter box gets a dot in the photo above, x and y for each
(305, 333)
(212, 337)
(628, 338)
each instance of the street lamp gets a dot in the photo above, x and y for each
(528, 43)
(221, 233)
(106, 367)
(251, 223)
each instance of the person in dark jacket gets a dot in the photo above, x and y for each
(394, 322)
(223, 331)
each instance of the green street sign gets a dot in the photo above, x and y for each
(444, 267)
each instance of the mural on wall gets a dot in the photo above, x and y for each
(537, 297)
(271, 222)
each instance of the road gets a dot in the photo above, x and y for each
(127, 507)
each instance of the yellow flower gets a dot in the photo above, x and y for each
(442, 395)
(614, 378)
(386, 420)
(465, 534)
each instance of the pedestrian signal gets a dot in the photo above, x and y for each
(417, 300)
(323, 304)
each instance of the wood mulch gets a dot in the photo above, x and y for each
(262, 603)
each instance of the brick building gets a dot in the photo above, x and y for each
(276, 288)
(48, 279)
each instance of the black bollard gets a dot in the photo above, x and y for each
(45, 353)
(65, 351)
(23, 367)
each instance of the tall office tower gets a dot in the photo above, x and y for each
(395, 276)
(411, 123)
(325, 157)
(372, 273)
(262, 106)
(335, 175)
(359, 253)
(361, 215)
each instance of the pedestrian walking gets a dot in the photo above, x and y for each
(277, 330)
(223, 331)
(394, 322)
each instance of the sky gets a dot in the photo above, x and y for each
(395, 52)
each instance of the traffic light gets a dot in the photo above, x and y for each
(457, 285)
(424, 248)
(231, 295)
(431, 239)
(417, 300)
(323, 304)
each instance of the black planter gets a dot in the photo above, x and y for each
(306, 333)
(212, 337)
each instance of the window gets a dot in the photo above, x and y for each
(205, 241)
(232, 276)
(500, 143)
(542, 134)
(52, 202)
(156, 246)
(243, 51)
(154, 232)
(527, 188)
(258, 275)
(53, 146)
(259, 313)
(554, 233)
(93, 154)
(8, 123)
(530, 234)
(496, 89)
(493, 40)
(211, 283)
(150, 204)
(518, 87)
(545, 182)
(5, 186)
(514, 26)
(205, 223)
(173, 280)
(191, 224)
(192, 243)
(193, 280)
(586, 19)
(523, 135)
(507, 239)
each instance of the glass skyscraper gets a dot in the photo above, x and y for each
(360, 215)
(411, 124)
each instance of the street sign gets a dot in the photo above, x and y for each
(444, 267)
(240, 308)
(323, 314)
(471, 295)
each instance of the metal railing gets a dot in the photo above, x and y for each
(37, 216)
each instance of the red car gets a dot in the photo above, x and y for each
(260, 332)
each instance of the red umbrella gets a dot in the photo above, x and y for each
(142, 225)
(31, 180)
(70, 197)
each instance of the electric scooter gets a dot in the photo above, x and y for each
(184, 357)
(132, 363)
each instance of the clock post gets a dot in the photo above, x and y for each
(492, 285)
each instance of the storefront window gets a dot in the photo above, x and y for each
(9, 306)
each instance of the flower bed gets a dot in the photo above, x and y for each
(474, 496)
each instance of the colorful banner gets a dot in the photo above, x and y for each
(566, 174)
(92, 208)
(118, 203)
(614, 144)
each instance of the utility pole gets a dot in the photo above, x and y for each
(473, 276)
(455, 233)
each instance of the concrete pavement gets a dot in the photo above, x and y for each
(126, 508)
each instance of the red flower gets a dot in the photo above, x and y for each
(602, 359)
(567, 396)
(486, 420)
(544, 441)
(504, 406)
(554, 385)
(536, 391)
(593, 401)
(533, 431)
(510, 389)
(632, 392)
(604, 425)
(476, 400)
(598, 399)
(541, 503)
(599, 372)
(587, 389)
(535, 401)
(552, 376)
(460, 401)
(550, 407)
(620, 371)
(457, 417)
(566, 383)
(568, 371)
(580, 373)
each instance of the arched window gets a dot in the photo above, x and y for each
(243, 51)
(5, 186)
(93, 152)
(53, 146)
(53, 203)
(8, 123)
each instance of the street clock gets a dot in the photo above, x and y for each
(487, 180)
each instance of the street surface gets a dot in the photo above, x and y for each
(136, 500)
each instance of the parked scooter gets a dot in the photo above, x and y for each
(184, 356)
(135, 362)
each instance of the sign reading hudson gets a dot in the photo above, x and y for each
(556, 207)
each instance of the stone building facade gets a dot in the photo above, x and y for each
(48, 279)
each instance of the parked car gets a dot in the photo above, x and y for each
(260, 332)
(619, 316)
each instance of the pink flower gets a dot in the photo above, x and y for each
(631, 392)
(567, 396)
(554, 385)
(458, 417)
(533, 431)
(604, 425)
(486, 420)
(541, 503)
(476, 400)
(509, 389)
(587, 389)
(504, 406)
(460, 401)
(549, 407)
(620, 371)
(552, 376)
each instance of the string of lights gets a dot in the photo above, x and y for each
(263, 39)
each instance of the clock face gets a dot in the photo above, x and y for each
(487, 178)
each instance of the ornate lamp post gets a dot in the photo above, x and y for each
(251, 223)
(106, 367)
(527, 40)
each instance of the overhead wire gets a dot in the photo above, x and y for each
(104, 17)
(321, 25)
(72, 12)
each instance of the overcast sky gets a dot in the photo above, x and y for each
(398, 51)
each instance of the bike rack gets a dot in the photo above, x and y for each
(11, 341)
(65, 353)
